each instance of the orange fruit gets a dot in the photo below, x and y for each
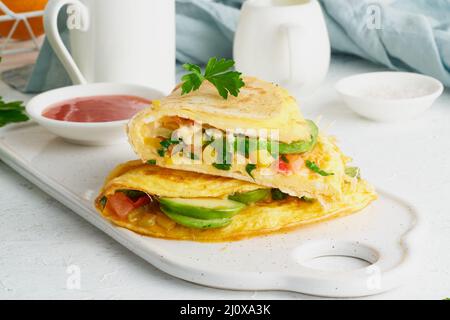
(18, 6)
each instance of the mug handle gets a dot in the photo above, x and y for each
(299, 60)
(51, 29)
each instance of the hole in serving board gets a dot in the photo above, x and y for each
(336, 256)
(336, 263)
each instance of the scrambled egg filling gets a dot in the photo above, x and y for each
(183, 141)
(184, 205)
(313, 168)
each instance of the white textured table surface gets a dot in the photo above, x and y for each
(40, 238)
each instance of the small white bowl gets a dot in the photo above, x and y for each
(87, 133)
(389, 96)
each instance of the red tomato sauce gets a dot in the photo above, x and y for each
(97, 108)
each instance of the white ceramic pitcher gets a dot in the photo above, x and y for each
(116, 41)
(283, 41)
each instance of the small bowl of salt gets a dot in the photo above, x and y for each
(389, 96)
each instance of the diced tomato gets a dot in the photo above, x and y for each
(296, 162)
(142, 201)
(283, 167)
(120, 204)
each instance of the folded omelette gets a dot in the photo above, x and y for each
(183, 205)
(259, 137)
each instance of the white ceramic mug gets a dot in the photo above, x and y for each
(116, 41)
(283, 41)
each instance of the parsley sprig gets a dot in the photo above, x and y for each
(217, 72)
(222, 166)
(249, 168)
(12, 112)
(314, 167)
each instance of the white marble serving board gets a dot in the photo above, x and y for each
(386, 234)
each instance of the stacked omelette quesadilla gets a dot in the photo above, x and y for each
(215, 169)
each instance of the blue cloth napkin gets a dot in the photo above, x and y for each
(414, 36)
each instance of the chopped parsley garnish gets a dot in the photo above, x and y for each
(166, 143)
(193, 156)
(103, 202)
(224, 157)
(313, 167)
(249, 168)
(216, 72)
(152, 162)
(284, 158)
(133, 194)
(246, 145)
(161, 152)
(222, 166)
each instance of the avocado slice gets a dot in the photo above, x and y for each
(251, 196)
(196, 223)
(202, 208)
(301, 146)
(243, 145)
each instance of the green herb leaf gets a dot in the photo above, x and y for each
(152, 162)
(224, 156)
(227, 83)
(222, 166)
(132, 194)
(353, 172)
(284, 158)
(246, 145)
(193, 156)
(249, 168)
(166, 143)
(12, 112)
(193, 80)
(103, 202)
(277, 194)
(215, 66)
(312, 166)
(216, 72)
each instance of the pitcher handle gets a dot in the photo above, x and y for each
(299, 58)
(51, 29)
